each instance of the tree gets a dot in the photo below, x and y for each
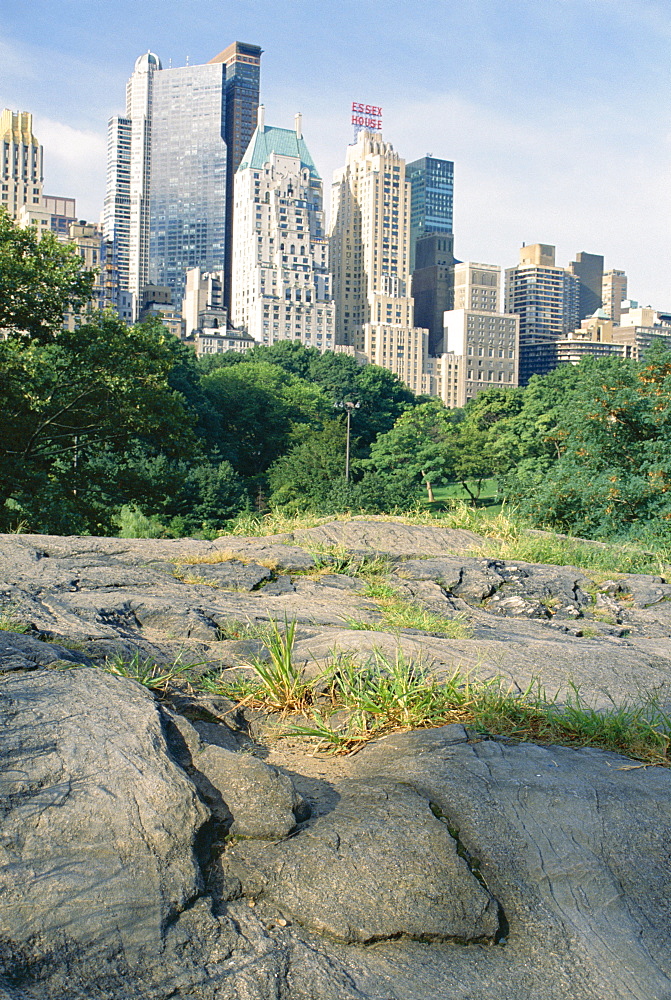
(258, 409)
(99, 389)
(601, 462)
(40, 279)
(305, 474)
(418, 447)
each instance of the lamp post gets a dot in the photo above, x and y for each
(348, 407)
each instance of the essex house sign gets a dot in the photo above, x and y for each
(367, 116)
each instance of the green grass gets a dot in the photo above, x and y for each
(590, 556)
(398, 613)
(386, 695)
(147, 672)
(251, 631)
(382, 694)
(10, 621)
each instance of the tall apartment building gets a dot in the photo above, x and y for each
(370, 259)
(614, 293)
(281, 280)
(482, 349)
(21, 163)
(545, 297)
(431, 199)
(588, 268)
(171, 163)
(116, 208)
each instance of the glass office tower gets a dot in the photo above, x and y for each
(172, 162)
(187, 199)
(431, 199)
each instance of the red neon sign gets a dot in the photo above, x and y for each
(366, 116)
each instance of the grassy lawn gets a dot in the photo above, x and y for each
(455, 491)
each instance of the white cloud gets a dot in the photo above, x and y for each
(74, 164)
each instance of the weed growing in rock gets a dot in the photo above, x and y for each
(147, 672)
(384, 695)
(10, 621)
(398, 613)
(282, 681)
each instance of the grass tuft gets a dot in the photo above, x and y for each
(147, 672)
(397, 613)
(385, 695)
(10, 621)
(282, 685)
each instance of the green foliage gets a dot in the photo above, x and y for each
(282, 680)
(255, 408)
(596, 460)
(65, 405)
(40, 279)
(147, 672)
(418, 447)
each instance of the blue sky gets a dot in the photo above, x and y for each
(557, 113)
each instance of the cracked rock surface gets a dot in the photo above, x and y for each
(164, 851)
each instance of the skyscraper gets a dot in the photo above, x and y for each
(116, 210)
(370, 244)
(613, 293)
(242, 64)
(281, 280)
(21, 163)
(588, 268)
(187, 186)
(431, 199)
(171, 164)
(545, 297)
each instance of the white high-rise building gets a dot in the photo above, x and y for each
(20, 164)
(281, 280)
(116, 211)
(139, 100)
(370, 253)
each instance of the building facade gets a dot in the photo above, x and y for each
(281, 279)
(588, 268)
(431, 199)
(21, 164)
(370, 259)
(171, 159)
(477, 286)
(545, 297)
(433, 285)
(203, 302)
(614, 293)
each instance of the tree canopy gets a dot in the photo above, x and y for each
(40, 279)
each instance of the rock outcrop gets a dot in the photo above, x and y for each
(159, 849)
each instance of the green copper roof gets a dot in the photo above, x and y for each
(276, 140)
